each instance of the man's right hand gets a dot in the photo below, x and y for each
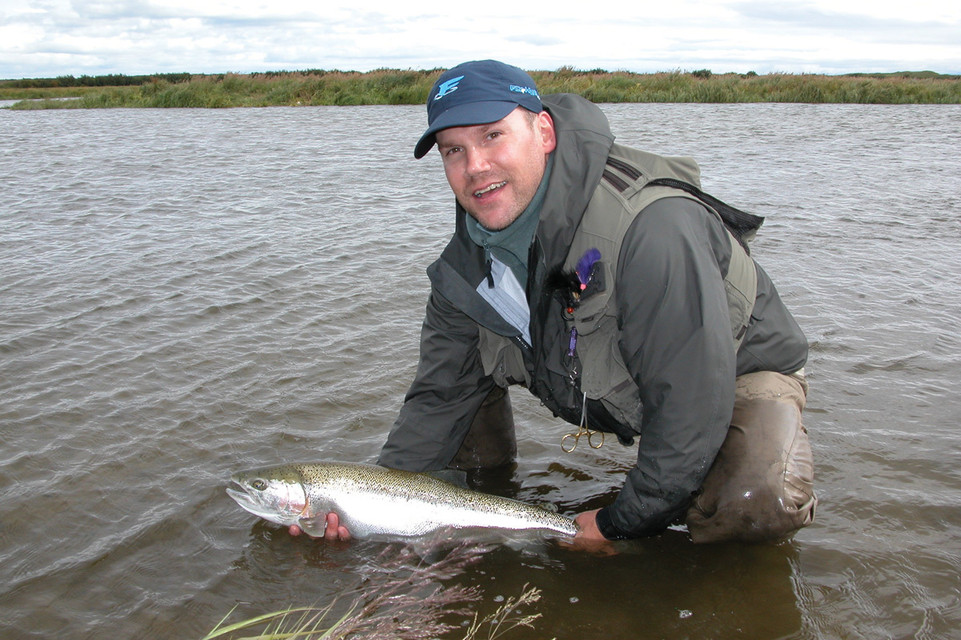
(332, 533)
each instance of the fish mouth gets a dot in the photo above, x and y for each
(242, 498)
(250, 504)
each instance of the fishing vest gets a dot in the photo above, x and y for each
(631, 181)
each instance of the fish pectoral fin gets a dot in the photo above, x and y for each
(314, 526)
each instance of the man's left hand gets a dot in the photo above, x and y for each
(589, 537)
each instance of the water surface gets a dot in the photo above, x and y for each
(184, 293)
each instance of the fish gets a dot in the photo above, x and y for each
(375, 502)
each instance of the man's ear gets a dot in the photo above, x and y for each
(545, 128)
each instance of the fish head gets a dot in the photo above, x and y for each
(275, 493)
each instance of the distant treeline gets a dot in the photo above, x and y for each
(391, 86)
(121, 80)
(112, 80)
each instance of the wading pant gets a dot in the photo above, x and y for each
(760, 487)
(491, 440)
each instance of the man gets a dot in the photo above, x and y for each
(601, 278)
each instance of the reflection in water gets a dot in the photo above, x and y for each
(658, 588)
(667, 586)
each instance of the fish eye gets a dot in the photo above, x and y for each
(258, 484)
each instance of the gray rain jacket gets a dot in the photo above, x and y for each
(674, 335)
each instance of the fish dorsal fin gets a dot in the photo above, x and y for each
(455, 477)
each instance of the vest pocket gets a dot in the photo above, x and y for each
(604, 376)
(739, 308)
(740, 285)
(502, 359)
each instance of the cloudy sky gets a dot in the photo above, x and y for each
(47, 38)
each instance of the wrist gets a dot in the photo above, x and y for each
(605, 524)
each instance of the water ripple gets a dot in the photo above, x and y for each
(185, 292)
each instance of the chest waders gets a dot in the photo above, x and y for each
(632, 180)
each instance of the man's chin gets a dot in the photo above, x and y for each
(493, 223)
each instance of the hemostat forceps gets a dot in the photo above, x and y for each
(569, 442)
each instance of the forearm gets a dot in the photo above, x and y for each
(446, 393)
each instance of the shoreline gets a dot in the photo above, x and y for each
(396, 87)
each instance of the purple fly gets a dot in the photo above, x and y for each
(585, 265)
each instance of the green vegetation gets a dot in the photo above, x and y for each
(390, 86)
(112, 80)
(403, 598)
(371, 622)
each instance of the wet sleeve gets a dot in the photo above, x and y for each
(446, 393)
(676, 340)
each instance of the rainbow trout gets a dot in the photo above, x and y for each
(376, 502)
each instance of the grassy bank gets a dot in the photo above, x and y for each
(411, 87)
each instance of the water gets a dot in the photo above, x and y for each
(186, 293)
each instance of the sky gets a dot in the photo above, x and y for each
(49, 38)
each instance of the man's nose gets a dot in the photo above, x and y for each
(477, 162)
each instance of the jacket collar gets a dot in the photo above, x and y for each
(584, 140)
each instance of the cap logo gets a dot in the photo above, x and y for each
(448, 87)
(528, 90)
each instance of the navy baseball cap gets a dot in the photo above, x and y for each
(476, 92)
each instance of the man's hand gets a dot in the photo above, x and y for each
(589, 537)
(333, 533)
(587, 527)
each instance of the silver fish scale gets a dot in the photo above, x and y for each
(373, 500)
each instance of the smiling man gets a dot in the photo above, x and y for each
(602, 279)
(494, 169)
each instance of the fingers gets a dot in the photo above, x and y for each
(594, 547)
(589, 538)
(334, 531)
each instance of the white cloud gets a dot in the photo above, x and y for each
(59, 37)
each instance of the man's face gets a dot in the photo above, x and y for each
(494, 169)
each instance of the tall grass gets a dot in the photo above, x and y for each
(311, 623)
(731, 87)
(387, 86)
(402, 598)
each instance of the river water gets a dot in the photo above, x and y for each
(186, 293)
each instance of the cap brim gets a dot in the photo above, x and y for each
(464, 115)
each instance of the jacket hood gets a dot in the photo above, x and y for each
(584, 140)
